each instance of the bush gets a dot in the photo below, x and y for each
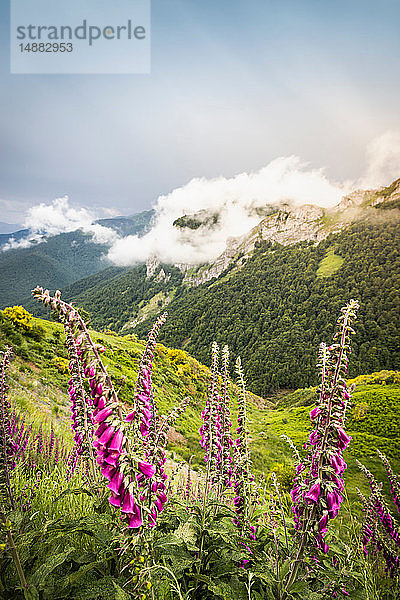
(61, 364)
(19, 317)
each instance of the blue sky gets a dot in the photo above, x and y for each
(233, 85)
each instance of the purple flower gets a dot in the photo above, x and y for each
(111, 459)
(315, 412)
(158, 504)
(116, 442)
(106, 436)
(101, 429)
(102, 414)
(344, 439)
(128, 505)
(115, 500)
(135, 519)
(314, 437)
(130, 417)
(322, 524)
(333, 500)
(108, 472)
(162, 496)
(147, 469)
(313, 493)
(115, 482)
(101, 403)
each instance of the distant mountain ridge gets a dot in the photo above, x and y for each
(59, 260)
(8, 227)
(290, 224)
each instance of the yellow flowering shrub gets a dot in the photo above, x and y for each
(61, 364)
(19, 317)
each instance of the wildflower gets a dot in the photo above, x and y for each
(315, 412)
(8, 447)
(116, 442)
(333, 501)
(115, 482)
(243, 477)
(316, 491)
(313, 493)
(344, 439)
(147, 469)
(102, 414)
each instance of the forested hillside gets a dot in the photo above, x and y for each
(59, 260)
(276, 310)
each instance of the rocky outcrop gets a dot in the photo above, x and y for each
(152, 265)
(288, 225)
(162, 276)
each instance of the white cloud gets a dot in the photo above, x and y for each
(235, 198)
(59, 217)
(283, 179)
(383, 161)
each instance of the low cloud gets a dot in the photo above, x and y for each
(44, 220)
(383, 161)
(235, 200)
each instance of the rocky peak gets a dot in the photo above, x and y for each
(288, 225)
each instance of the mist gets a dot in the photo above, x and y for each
(383, 161)
(45, 220)
(235, 200)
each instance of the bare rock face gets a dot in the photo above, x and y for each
(152, 265)
(286, 226)
(356, 199)
(289, 227)
(162, 276)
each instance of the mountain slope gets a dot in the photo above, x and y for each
(59, 260)
(39, 382)
(277, 308)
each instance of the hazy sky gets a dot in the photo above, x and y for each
(234, 84)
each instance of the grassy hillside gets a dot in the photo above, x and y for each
(39, 382)
(275, 310)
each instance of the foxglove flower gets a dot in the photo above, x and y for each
(380, 531)
(138, 458)
(243, 477)
(316, 493)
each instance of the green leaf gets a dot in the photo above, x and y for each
(39, 577)
(31, 593)
(103, 589)
(298, 587)
(74, 492)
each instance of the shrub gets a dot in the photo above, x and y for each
(19, 317)
(61, 364)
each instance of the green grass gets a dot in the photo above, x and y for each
(40, 391)
(329, 264)
(74, 519)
